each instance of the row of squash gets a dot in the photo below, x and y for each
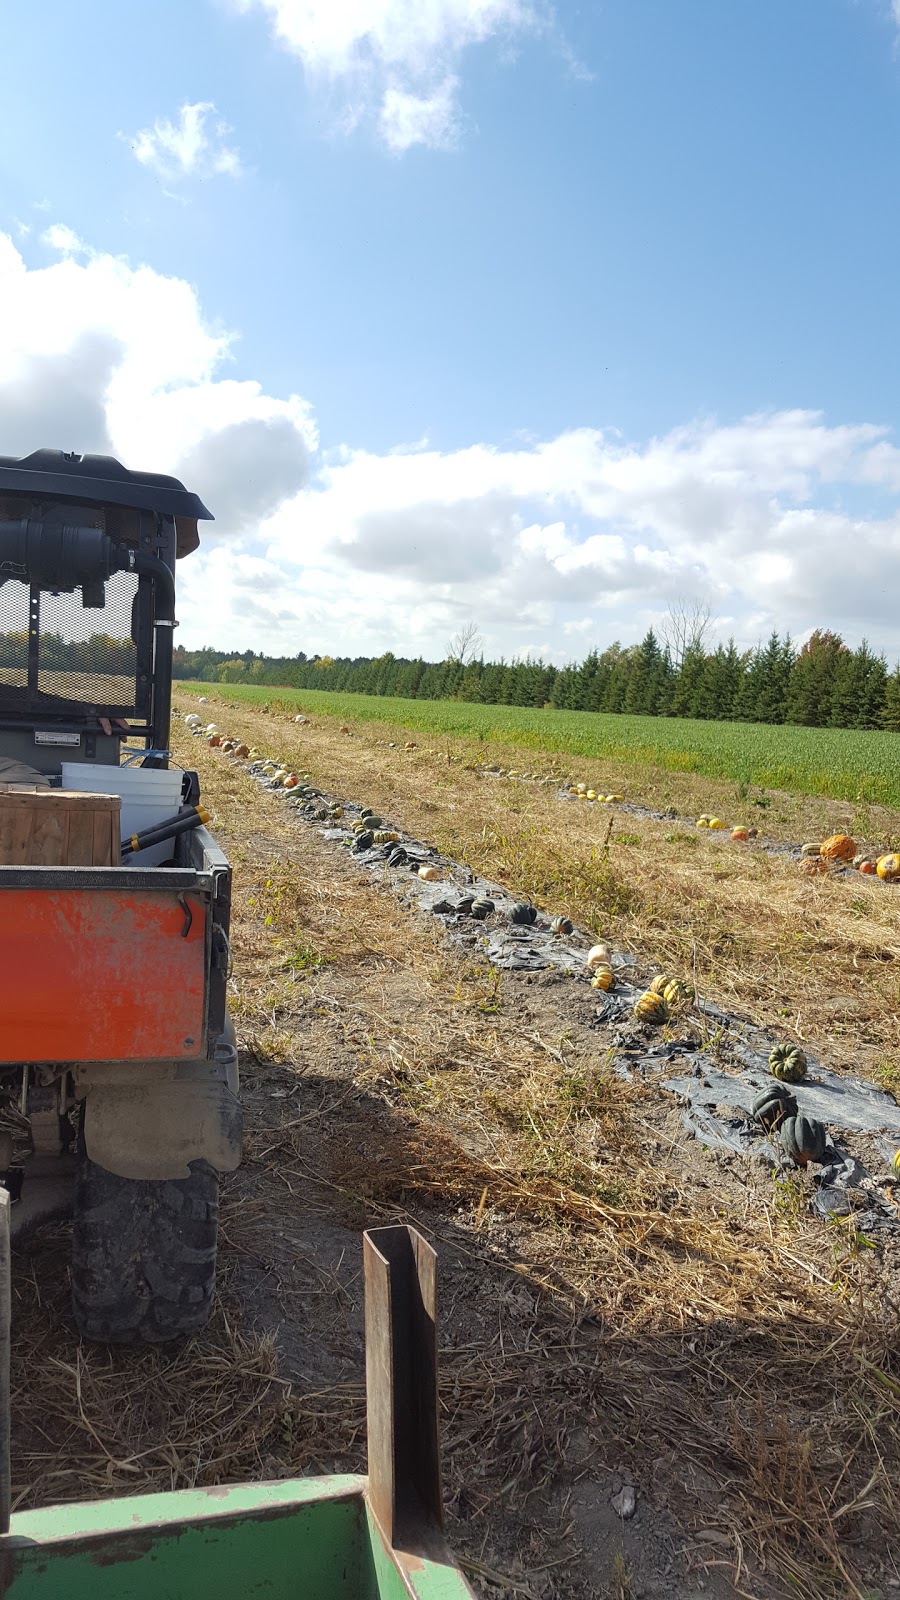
(802, 1139)
(840, 849)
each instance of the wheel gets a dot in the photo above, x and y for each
(143, 1253)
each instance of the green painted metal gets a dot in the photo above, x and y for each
(307, 1539)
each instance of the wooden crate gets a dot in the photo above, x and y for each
(59, 828)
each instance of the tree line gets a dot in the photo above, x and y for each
(823, 684)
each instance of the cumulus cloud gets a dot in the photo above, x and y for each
(194, 146)
(396, 59)
(746, 516)
(780, 519)
(100, 355)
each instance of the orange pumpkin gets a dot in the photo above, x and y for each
(867, 868)
(740, 834)
(840, 847)
(888, 867)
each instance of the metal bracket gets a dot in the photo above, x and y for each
(401, 1384)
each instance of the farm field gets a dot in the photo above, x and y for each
(620, 1306)
(838, 763)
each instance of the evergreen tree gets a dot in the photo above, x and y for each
(890, 716)
(640, 694)
(858, 689)
(773, 680)
(812, 679)
(687, 686)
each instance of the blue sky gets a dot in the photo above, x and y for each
(539, 315)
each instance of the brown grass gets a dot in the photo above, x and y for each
(669, 1319)
(818, 959)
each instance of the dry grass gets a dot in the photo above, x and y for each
(818, 959)
(663, 1318)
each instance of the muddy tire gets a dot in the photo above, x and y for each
(143, 1254)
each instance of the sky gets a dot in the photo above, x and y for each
(538, 314)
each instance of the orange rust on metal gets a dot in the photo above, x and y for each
(102, 975)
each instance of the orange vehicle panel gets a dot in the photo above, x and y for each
(101, 975)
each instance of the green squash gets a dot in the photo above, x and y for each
(803, 1139)
(773, 1105)
(482, 909)
(522, 914)
(788, 1063)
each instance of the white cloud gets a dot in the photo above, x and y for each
(395, 59)
(431, 120)
(192, 147)
(97, 354)
(571, 540)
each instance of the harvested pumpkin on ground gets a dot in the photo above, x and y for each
(895, 1161)
(598, 955)
(703, 822)
(773, 1105)
(562, 925)
(740, 835)
(888, 867)
(867, 868)
(816, 868)
(482, 909)
(651, 1008)
(660, 983)
(603, 976)
(813, 848)
(677, 993)
(522, 914)
(592, 794)
(717, 823)
(840, 847)
(431, 874)
(788, 1063)
(803, 1139)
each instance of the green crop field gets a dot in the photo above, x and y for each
(841, 764)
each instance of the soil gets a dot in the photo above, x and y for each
(529, 1512)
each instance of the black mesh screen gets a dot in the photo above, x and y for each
(13, 642)
(79, 657)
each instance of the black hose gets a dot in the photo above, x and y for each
(183, 822)
(164, 617)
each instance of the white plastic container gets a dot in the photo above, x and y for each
(149, 796)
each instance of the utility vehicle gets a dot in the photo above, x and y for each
(118, 1066)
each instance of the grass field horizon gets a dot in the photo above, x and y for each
(856, 765)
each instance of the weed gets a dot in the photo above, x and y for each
(621, 1579)
(790, 1199)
